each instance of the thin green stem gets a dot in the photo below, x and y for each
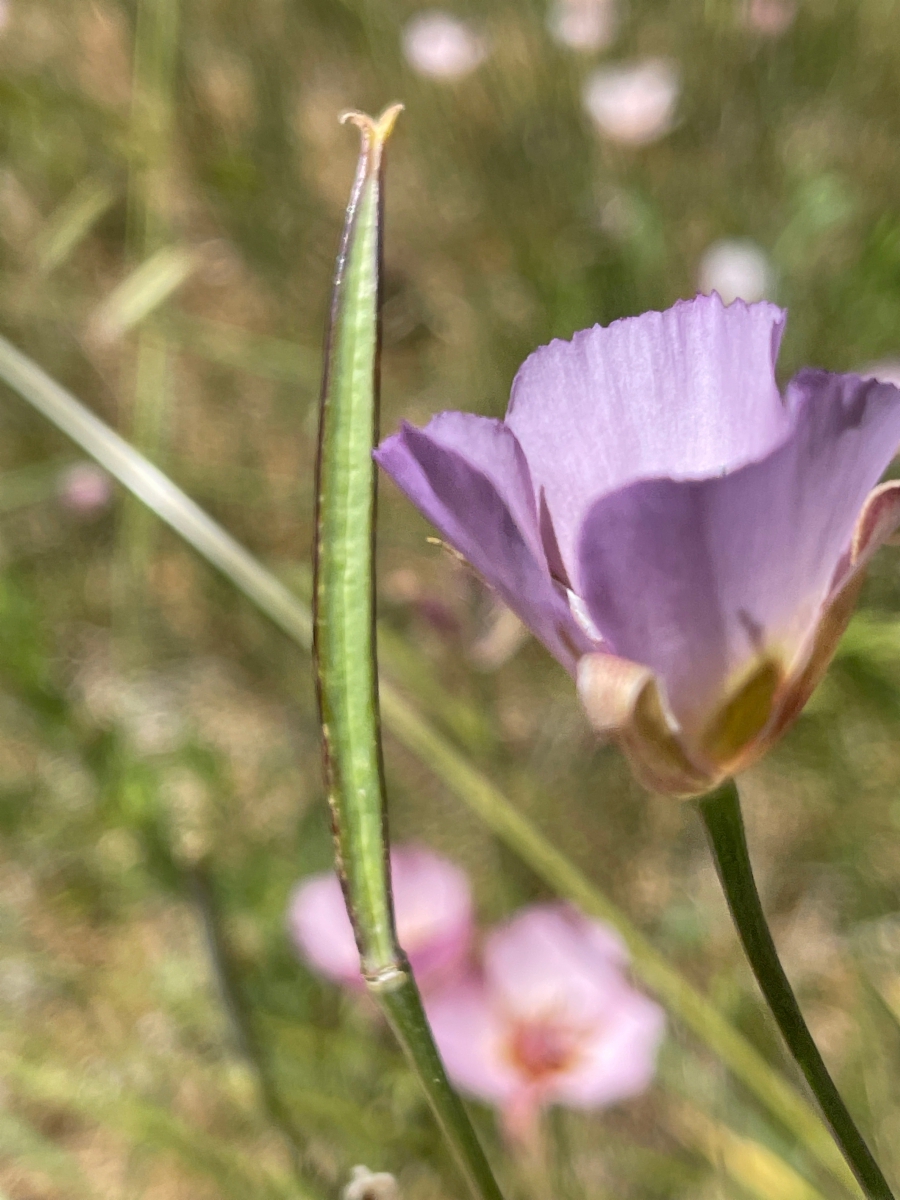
(69, 225)
(240, 1017)
(721, 813)
(396, 993)
(136, 534)
(152, 117)
(157, 491)
(398, 997)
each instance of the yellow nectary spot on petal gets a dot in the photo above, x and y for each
(744, 716)
(657, 757)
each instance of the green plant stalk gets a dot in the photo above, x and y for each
(246, 1037)
(152, 115)
(67, 227)
(721, 813)
(344, 642)
(152, 377)
(418, 735)
(155, 50)
(156, 490)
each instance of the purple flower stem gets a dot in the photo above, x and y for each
(721, 813)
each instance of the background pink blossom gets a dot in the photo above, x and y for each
(551, 1019)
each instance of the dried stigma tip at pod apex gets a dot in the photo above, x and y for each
(375, 132)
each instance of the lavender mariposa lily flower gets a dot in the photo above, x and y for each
(685, 540)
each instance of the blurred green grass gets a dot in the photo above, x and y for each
(149, 721)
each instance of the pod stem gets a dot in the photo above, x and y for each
(344, 643)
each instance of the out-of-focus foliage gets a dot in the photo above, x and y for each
(171, 189)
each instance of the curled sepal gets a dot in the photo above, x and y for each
(878, 522)
(623, 699)
(877, 526)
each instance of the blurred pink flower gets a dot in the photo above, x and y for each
(771, 18)
(633, 103)
(737, 269)
(442, 46)
(434, 920)
(84, 489)
(551, 1020)
(583, 24)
